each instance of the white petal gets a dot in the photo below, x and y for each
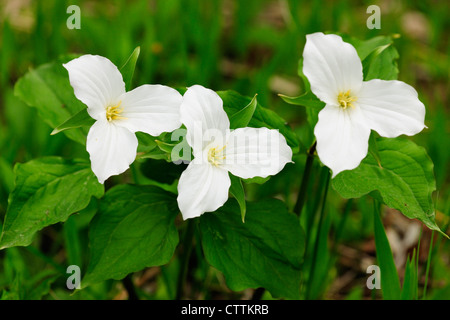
(331, 66)
(256, 152)
(96, 82)
(202, 188)
(152, 109)
(203, 115)
(342, 138)
(111, 148)
(391, 108)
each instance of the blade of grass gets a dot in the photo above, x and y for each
(427, 270)
(390, 283)
(409, 290)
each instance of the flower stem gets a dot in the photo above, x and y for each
(318, 235)
(184, 259)
(305, 180)
(129, 286)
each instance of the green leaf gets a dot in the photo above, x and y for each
(265, 251)
(47, 88)
(378, 56)
(381, 64)
(80, 119)
(390, 283)
(237, 190)
(133, 229)
(367, 46)
(233, 102)
(307, 99)
(311, 102)
(30, 289)
(405, 181)
(242, 118)
(410, 281)
(47, 191)
(127, 69)
(373, 148)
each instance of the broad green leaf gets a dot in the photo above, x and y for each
(127, 69)
(237, 190)
(233, 102)
(47, 88)
(265, 251)
(47, 191)
(80, 119)
(390, 283)
(133, 229)
(242, 118)
(405, 181)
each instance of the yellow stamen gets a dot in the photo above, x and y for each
(113, 112)
(215, 156)
(345, 100)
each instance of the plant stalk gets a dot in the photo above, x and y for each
(185, 256)
(319, 229)
(305, 180)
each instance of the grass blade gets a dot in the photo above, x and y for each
(390, 283)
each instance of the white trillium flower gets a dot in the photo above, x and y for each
(353, 106)
(111, 141)
(244, 152)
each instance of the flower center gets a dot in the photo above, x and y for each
(345, 100)
(215, 156)
(113, 112)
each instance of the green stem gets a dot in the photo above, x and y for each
(305, 180)
(318, 236)
(129, 286)
(184, 259)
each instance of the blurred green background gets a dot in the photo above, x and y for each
(251, 46)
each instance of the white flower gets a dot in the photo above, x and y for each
(353, 106)
(111, 141)
(244, 152)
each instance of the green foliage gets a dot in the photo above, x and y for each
(265, 251)
(79, 119)
(404, 179)
(238, 192)
(390, 283)
(241, 118)
(47, 89)
(252, 47)
(133, 229)
(127, 69)
(234, 102)
(47, 191)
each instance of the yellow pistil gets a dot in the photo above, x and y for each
(215, 156)
(113, 112)
(345, 100)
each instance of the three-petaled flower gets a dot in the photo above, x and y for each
(244, 152)
(111, 141)
(354, 107)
